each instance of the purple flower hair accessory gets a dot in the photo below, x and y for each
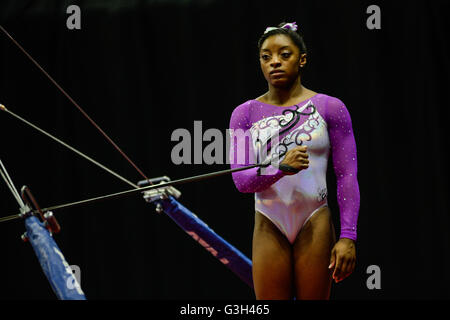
(290, 26)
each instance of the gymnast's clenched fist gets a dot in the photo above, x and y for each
(295, 160)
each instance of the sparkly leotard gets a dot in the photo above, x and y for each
(322, 123)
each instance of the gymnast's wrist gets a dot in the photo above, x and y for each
(280, 173)
(346, 239)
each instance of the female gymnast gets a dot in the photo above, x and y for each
(295, 253)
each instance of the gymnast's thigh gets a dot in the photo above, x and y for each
(272, 261)
(312, 252)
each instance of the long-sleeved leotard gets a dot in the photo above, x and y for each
(321, 123)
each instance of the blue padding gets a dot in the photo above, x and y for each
(52, 261)
(211, 241)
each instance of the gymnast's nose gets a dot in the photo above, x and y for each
(275, 62)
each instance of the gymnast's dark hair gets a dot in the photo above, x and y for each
(295, 36)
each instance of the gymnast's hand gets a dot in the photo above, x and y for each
(343, 259)
(295, 160)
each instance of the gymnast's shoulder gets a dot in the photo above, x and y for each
(242, 109)
(328, 101)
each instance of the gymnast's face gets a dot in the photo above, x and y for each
(280, 60)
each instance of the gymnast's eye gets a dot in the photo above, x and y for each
(265, 57)
(286, 55)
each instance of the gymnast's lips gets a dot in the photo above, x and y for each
(276, 72)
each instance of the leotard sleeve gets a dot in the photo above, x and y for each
(247, 181)
(343, 149)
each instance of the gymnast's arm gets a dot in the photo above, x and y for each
(343, 148)
(242, 154)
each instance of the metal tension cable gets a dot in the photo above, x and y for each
(74, 103)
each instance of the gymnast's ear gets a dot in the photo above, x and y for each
(302, 60)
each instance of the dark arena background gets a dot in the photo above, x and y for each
(142, 69)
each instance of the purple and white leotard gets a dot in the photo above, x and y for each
(322, 123)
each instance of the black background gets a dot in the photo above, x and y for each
(142, 69)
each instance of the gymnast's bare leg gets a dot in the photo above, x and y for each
(272, 260)
(311, 254)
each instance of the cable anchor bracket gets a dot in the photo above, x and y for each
(162, 193)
